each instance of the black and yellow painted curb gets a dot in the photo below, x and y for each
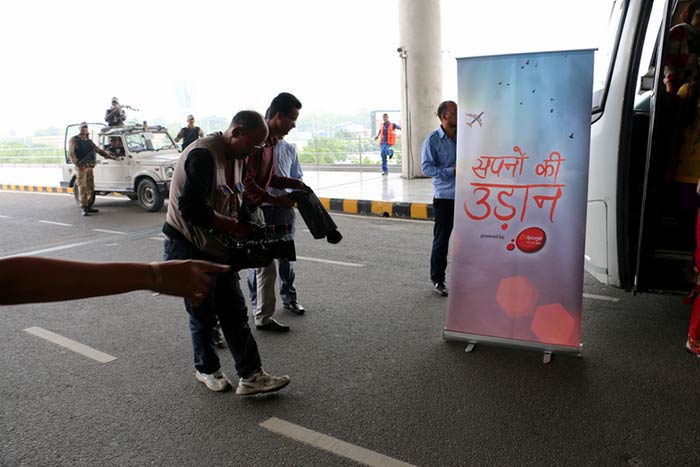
(39, 189)
(348, 206)
(379, 208)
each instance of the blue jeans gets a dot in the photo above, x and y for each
(224, 301)
(386, 152)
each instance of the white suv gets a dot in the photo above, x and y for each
(146, 163)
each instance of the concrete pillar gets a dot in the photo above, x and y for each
(421, 63)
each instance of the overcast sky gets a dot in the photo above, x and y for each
(63, 61)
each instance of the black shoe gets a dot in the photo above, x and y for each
(295, 307)
(334, 237)
(273, 325)
(92, 210)
(85, 211)
(439, 288)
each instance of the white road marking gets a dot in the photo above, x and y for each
(70, 344)
(56, 223)
(601, 297)
(162, 239)
(49, 250)
(4, 217)
(328, 261)
(94, 241)
(36, 193)
(381, 218)
(109, 231)
(330, 444)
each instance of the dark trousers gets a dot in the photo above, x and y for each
(443, 210)
(224, 301)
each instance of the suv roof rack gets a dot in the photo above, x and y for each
(112, 130)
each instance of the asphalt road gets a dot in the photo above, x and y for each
(368, 365)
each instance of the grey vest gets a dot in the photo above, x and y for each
(224, 199)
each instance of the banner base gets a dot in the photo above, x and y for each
(548, 349)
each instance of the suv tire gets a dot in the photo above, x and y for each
(77, 197)
(150, 198)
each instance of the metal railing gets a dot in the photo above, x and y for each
(358, 153)
(31, 155)
(323, 152)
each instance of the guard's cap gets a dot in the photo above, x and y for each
(114, 99)
(83, 125)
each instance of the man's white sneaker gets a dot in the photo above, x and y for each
(261, 382)
(215, 381)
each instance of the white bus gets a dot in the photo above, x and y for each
(637, 237)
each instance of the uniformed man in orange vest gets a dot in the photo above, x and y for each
(386, 138)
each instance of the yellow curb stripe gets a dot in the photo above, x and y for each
(326, 203)
(350, 206)
(419, 211)
(379, 208)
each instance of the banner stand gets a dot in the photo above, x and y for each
(474, 339)
(523, 146)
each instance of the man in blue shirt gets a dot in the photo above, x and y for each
(438, 160)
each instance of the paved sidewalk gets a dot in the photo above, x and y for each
(353, 192)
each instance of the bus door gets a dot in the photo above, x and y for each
(666, 227)
(618, 146)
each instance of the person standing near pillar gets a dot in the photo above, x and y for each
(439, 160)
(387, 140)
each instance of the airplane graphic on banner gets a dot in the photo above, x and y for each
(475, 119)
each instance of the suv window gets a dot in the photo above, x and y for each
(113, 144)
(149, 141)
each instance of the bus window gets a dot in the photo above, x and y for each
(647, 68)
(605, 55)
